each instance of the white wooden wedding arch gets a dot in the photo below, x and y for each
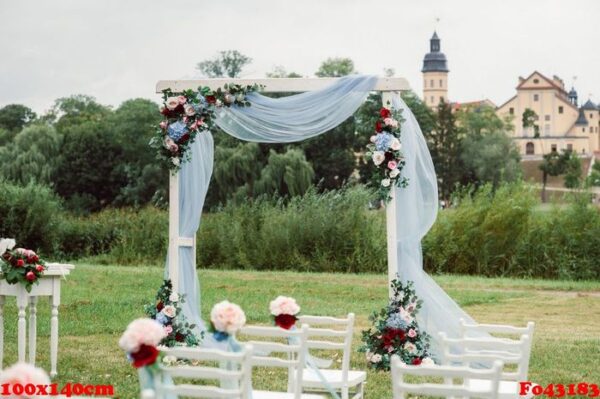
(387, 87)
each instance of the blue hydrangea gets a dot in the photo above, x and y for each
(176, 130)
(162, 318)
(395, 321)
(383, 141)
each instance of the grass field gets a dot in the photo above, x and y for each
(99, 302)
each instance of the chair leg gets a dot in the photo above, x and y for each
(345, 393)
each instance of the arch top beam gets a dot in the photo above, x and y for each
(277, 85)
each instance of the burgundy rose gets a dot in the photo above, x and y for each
(385, 113)
(211, 99)
(184, 138)
(416, 361)
(378, 127)
(285, 321)
(165, 111)
(159, 306)
(179, 109)
(30, 276)
(179, 337)
(20, 263)
(145, 356)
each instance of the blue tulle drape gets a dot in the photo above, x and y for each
(305, 115)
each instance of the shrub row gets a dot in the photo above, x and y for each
(501, 233)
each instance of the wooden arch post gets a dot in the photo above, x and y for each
(387, 86)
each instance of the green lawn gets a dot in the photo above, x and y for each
(99, 301)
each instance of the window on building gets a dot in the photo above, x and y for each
(536, 81)
(425, 84)
(511, 111)
(536, 97)
(441, 99)
(431, 99)
(554, 148)
(583, 129)
(561, 109)
(529, 148)
(547, 129)
(569, 147)
(546, 117)
(591, 116)
(431, 83)
(441, 83)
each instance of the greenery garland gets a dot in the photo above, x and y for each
(191, 112)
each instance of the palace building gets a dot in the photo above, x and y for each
(559, 122)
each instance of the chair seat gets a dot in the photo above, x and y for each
(282, 395)
(507, 389)
(310, 379)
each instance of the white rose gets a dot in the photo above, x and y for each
(394, 173)
(427, 362)
(378, 157)
(175, 161)
(284, 305)
(376, 358)
(369, 356)
(227, 317)
(174, 297)
(410, 347)
(172, 103)
(385, 182)
(189, 110)
(219, 103)
(229, 98)
(169, 311)
(241, 97)
(395, 145)
(373, 138)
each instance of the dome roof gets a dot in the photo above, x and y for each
(589, 105)
(435, 60)
(581, 120)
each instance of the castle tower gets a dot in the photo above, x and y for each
(435, 74)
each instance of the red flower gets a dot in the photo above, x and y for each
(30, 276)
(179, 337)
(385, 113)
(145, 356)
(416, 361)
(391, 335)
(285, 321)
(378, 127)
(184, 138)
(20, 263)
(165, 111)
(39, 268)
(211, 99)
(159, 306)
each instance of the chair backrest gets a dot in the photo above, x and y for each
(469, 330)
(205, 364)
(483, 351)
(268, 341)
(449, 374)
(332, 334)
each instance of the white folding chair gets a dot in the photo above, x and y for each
(484, 351)
(449, 388)
(334, 334)
(268, 341)
(471, 330)
(205, 365)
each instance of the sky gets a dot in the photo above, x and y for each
(118, 49)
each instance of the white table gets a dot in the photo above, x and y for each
(49, 285)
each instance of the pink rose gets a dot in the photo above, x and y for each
(141, 332)
(23, 374)
(182, 99)
(163, 125)
(227, 317)
(168, 329)
(189, 110)
(392, 165)
(412, 333)
(172, 103)
(284, 305)
(390, 122)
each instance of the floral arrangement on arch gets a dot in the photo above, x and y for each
(191, 112)
(395, 331)
(226, 319)
(284, 311)
(168, 313)
(385, 150)
(20, 265)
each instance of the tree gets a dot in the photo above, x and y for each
(573, 170)
(76, 109)
(335, 68)
(444, 143)
(14, 117)
(594, 178)
(33, 156)
(529, 120)
(488, 152)
(553, 164)
(280, 72)
(228, 63)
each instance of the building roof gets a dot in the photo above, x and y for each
(548, 80)
(435, 60)
(589, 105)
(581, 120)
